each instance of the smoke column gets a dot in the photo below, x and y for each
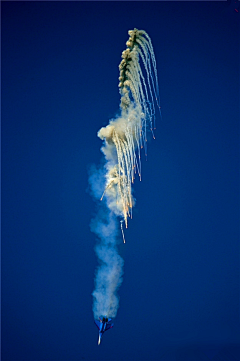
(123, 138)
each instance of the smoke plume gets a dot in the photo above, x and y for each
(123, 138)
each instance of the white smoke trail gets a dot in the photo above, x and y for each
(108, 276)
(123, 139)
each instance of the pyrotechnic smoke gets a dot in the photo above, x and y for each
(123, 139)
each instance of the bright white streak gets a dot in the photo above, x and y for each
(122, 232)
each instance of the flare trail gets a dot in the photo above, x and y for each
(123, 138)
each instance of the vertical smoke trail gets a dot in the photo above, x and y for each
(123, 139)
(109, 273)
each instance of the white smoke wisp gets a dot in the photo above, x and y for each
(109, 273)
(108, 276)
(123, 139)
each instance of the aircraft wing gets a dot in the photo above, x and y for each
(110, 325)
(97, 323)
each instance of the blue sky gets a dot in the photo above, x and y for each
(180, 294)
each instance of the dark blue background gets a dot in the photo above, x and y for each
(180, 296)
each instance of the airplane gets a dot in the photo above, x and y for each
(103, 325)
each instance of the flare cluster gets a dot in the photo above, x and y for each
(123, 139)
(126, 135)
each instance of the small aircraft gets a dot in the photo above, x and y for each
(103, 325)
